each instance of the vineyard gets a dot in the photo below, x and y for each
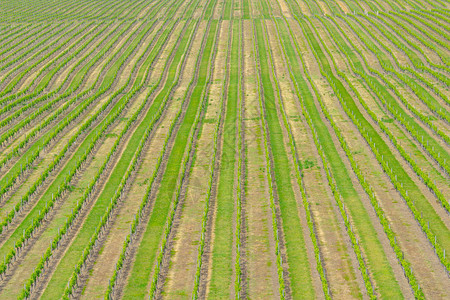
(218, 149)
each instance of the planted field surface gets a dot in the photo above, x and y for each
(212, 149)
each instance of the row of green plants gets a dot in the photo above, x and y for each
(376, 89)
(370, 134)
(355, 7)
(73, 88)
(415, 60)
(42, 85)
(41, 11)
(37, 92)
(35, 59)
(442, 13)
(422, 94)
(310, 34)
(429, 144)
(418, 18)
(44, 35)
(419, 171)
(43, 78)
(437, 22)
(70, 168)
(13, 32)
(411, 83)
(49, 136)
(269, 165)
(403, 45)
(18, 35)
(418, 34)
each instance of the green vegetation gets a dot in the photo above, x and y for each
(106, 108)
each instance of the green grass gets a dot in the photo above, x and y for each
(222, 253)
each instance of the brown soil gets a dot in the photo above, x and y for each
(285, 8)
(344, 7)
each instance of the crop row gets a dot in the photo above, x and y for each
(38, 91)
(431, 146)
(343, 97)
(75, 84)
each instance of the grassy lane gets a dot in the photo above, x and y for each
(222, 280)
(259, 278)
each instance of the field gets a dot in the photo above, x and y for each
(217, 149)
